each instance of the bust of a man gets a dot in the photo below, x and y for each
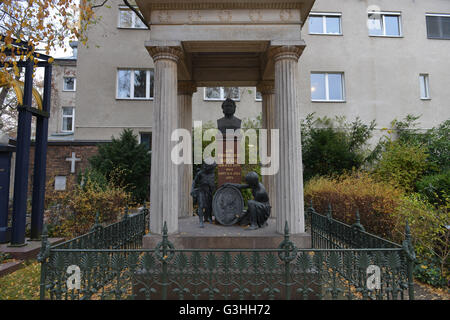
(229, 121)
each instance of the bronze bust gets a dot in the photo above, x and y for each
(229, 121)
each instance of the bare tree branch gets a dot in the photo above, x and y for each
(139, 15)
(100, 5)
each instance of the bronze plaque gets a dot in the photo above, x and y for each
(229, 172)
(228, 205)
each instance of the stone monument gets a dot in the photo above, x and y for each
(229, 172)
(227, 43)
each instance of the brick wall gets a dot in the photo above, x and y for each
(57, 164)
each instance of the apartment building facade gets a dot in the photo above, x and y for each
(369, 59)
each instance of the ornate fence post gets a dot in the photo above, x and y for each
(357, 228)
(310, 213)
(164, 251)
(42, 258)
(410, 260)
(330, 244)
(97, 228)
(287, 255)
(126, 228)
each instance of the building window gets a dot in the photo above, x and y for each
(68, 119)
(135, 84)
(129, 19)
(146, 139)
(384, 24)
(221, 93)
(327, 86)
(69, 84)
(60, 183)
(424, 87)
(325, 23)
(438, 26)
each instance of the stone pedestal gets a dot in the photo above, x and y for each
(229, 172)
(165, 182)
(215, 236)
(289, 180)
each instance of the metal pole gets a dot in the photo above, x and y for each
(22, 161)
(40, 159)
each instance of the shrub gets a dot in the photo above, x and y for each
(95, 177)
(72, 213)
(376, 201)
(429, 234)
(126, 164)
(384, 211)
(435, 187)
(402, 164)
(435, 140)
(331, 147)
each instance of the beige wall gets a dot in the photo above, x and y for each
(60, 98)
(99, 114)
(381, 74)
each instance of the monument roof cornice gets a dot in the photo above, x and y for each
(146, 6)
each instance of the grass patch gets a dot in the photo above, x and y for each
(22, 284)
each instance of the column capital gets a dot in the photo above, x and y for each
(186, 87)
(165, 53)
(287, 52)
(266, 87)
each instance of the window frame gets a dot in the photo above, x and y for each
(222, 94)
(68, 116)
(151, 137)
(425, 79)
(133, 19)
(446, 15)
(147, 84)
(327, 87)
(74, 84)
(383, 15)
(324, 15)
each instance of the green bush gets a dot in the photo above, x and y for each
(435, 140)
(402, 164)
(331, 147)
(125, 163)
(429, 232)
(430, 272)
(435, 187)
(94, 177)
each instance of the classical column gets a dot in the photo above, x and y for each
(267, 90)
(185, 91)
(164, 183)
(289, 180)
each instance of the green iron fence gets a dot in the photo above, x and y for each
(328, 233)
(115, 268)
